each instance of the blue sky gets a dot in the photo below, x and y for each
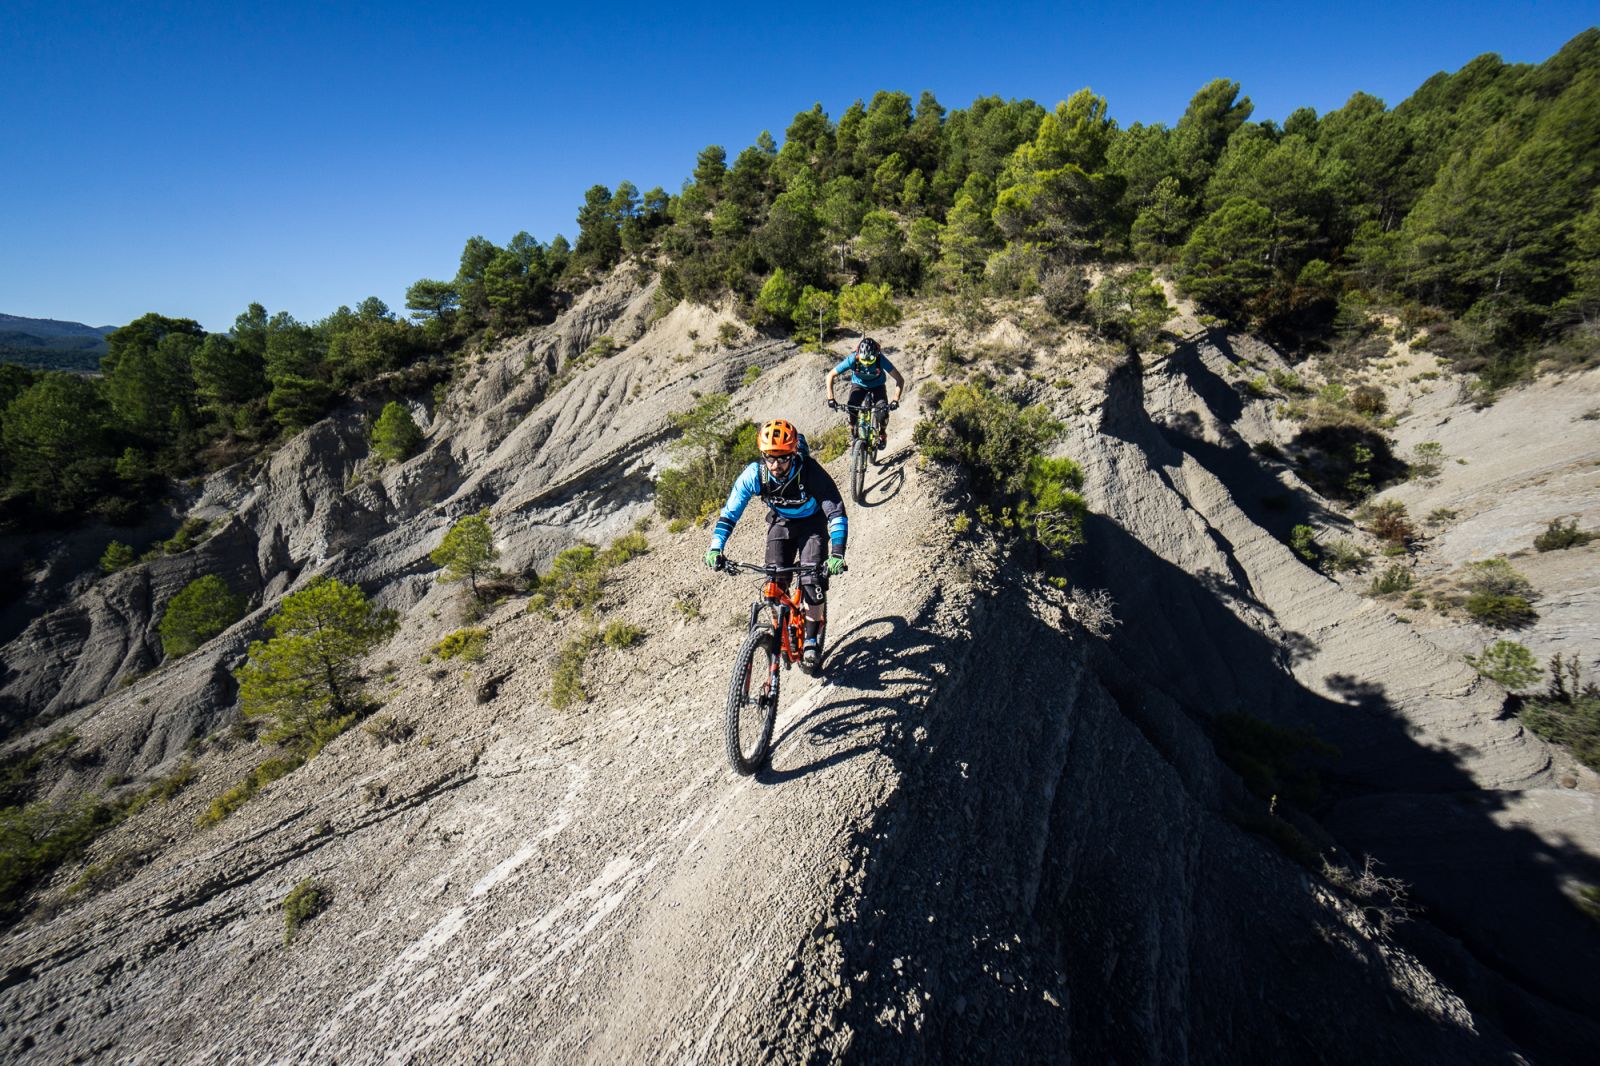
(190, 158)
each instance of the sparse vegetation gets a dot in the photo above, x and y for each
(304, 902)
(1271, 760)
(1509, 663)
(999, 446)
(830, 443)
(386, 729)
(467, 644)
(117, 556)
(1497, 595)
(713, 445)
(1394, 579)
(1388, 521)
(1303, 541)
(1569, 712)
(1427, 460)
(1385, 901)
(566, 679)
(1559, 535)
(620, 634)
(1094, 610)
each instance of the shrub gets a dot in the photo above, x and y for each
(38, 838)
(712, 447)
(779, 297)
(118, 556)
(1368, 401)
(751, 375)
(240, 794)
(395, 434)
(386, 729)
(1440, 515)
(1388, 521)
(1094, 611)
(1569, 713)
(1498, 596)
(1065, 293)
(1303, 540)
(1289, 383)
(1345, 555)
(566, 680)
(186, 537)
(1507, 662)
(1558, 536)
(1501, 612)
(1396, 578)
(304, 902)
(602, 347)
(620, 634)
(998, 445)
(204, 608)
(468, 644)
(728, 334)
(1129, 307)
(830, 443)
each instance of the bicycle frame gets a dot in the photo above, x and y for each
(867, 426)
(787, 610)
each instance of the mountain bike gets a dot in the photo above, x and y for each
(775, 640)
(866, 444)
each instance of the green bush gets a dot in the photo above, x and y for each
(1388, 521)
(201, 610)
(751, 375)
(566, 680)
(1345, 555)
(620, 634)
(304, 902)
(1558, 536)
(713, 446)
(467, 644)
(38, 838)
(468, 552)
(1303, 540)
(1507, 662)
(1501, 612)
(998, 445)
(186, 537)
(240, 794)
(830, 443)
(1427, 459)
(1396, 578)
(118, 556)
(395, 434)
(1497, 595)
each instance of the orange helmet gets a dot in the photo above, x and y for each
(778, 437)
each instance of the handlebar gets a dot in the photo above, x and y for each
(733, 566)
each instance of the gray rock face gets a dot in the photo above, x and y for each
(984, 833)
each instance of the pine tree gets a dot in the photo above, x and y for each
(467, 551)
(204, 608)
(305, 679)
(395, 434)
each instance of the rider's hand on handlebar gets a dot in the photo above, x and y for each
(833, 405)
(835, 565)
(714, 559)
(894, 405)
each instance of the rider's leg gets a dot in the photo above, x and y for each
(814, 587)
(880, 412)
(782, 545)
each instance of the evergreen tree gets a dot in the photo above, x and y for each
(306, 679)
(201, 610)
(467, 551)
(395, 434)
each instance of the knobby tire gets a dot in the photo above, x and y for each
(750, 716)
(858, 471)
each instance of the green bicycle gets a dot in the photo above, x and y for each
(868, 440)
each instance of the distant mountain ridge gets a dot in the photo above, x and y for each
(50, 344)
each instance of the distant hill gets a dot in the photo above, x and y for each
(47, 344)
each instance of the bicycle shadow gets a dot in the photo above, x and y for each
(869, 718)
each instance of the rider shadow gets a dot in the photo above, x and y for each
(868, 719)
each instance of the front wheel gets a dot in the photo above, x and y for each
(858, 470)
(752, 702)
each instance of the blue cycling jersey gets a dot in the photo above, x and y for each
(793, 498)
(866, 377)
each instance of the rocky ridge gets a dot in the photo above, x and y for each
(986, 829)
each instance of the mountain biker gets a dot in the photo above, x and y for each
(805, 507)
(866, 366)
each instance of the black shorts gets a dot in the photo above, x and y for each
(806, 538)
(860, 395)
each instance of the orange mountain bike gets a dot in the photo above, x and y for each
(776, 639)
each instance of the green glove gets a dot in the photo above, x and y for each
(714, 558)
(835, 565)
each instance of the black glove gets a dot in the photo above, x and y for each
(894, 405)
(833, 405)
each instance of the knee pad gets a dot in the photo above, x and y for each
(816, 595)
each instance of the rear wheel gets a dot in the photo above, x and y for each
(752, 702)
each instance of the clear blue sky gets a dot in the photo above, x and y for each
(189, 158)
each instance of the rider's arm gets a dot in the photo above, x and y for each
(745, 488)
(827, 495)
(899, 383)
(831, 375)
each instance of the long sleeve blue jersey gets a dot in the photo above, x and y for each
(807, 488)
